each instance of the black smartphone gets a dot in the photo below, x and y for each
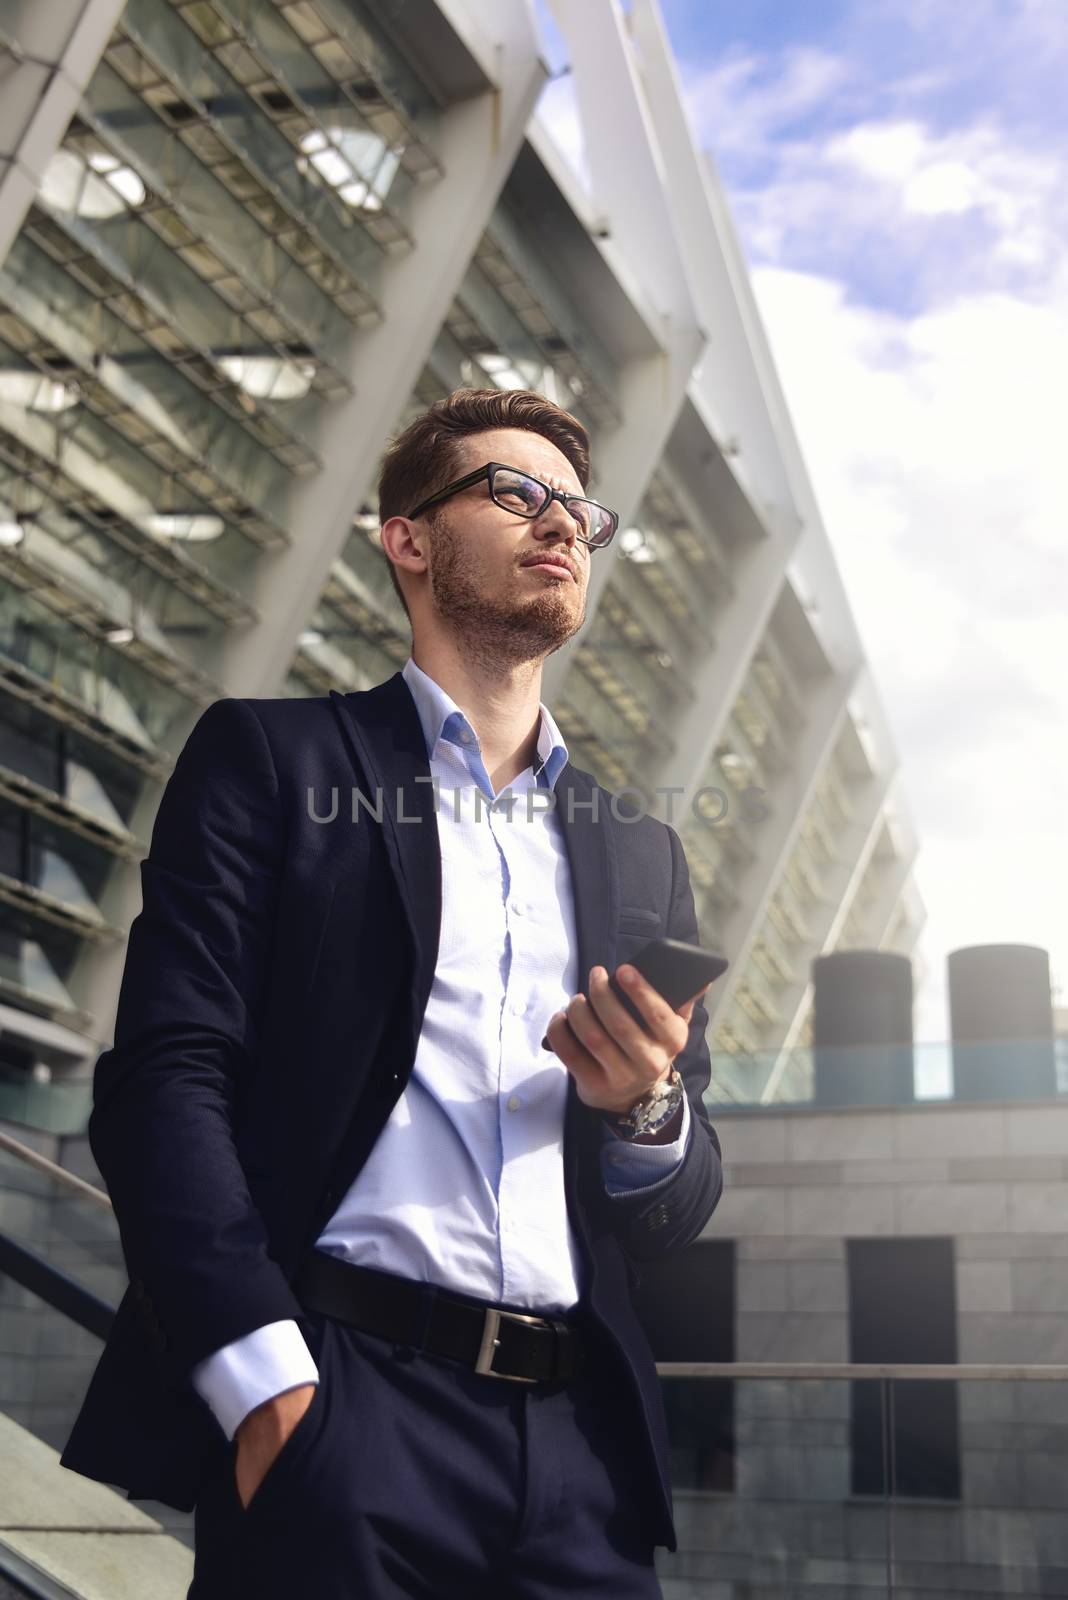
(675, 969)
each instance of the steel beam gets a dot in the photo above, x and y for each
(480, 137)
(843, 881)
(778, 833)
(49, 49)
(634, 211)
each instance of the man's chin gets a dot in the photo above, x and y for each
(517, 616)
(550, 621)
(521, 630)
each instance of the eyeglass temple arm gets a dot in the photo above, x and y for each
(461, 483)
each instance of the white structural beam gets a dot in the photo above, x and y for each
(698, 725)
(736, 394)
(626, 458)
(628, 177)
(735, 381)
(731, 397)
(634, 224)
(774, 842)
(478, 141)
(49, 50)
(898, 883)
(857, 842)
(894, 885)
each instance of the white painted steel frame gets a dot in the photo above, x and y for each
(659, 222)
(480, 138)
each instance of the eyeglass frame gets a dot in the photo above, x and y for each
(553, 494)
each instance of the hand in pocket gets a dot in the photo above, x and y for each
(262, 1435)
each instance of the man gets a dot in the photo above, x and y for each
(336, 1146)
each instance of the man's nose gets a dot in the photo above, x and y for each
(556, 523)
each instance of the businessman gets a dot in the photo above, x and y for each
(381, 1238)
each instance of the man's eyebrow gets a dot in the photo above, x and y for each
(554, 483)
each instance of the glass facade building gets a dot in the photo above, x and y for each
(241, 243)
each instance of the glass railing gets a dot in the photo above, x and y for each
(62, 1274)
(58, 661)
(926, 1072)
(60, 1106)
(71, 1228)
(788, 1478)
(853, 1480)
(26, 971)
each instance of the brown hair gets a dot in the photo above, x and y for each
(423, 458)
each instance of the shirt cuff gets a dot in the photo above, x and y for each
(626, 1166)
(252, 1369)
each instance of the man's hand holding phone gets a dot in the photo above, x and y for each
(612, 1058)
(623, 1038)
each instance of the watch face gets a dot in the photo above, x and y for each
(658, 1107)
(659, 1112)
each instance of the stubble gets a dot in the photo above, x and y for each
(505, 629)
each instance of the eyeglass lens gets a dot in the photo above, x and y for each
(514, 491)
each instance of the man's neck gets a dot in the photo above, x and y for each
(502, 704)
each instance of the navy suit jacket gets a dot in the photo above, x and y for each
(271, 1003)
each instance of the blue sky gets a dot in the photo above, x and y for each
(771, 83)
(898, 173)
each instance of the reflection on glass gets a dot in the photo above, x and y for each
(97, 187)
(27, 967)
(59, 879)
(638, 546)
(269, 377)
(193, 526)
(355, 162)
(34, 392)
(85, 789)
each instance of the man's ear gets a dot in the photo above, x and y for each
(403, 544)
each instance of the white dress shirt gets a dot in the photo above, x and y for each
(464, 1186)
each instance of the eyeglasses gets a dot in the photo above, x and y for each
(518, 492)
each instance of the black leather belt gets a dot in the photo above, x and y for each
(499, 1343)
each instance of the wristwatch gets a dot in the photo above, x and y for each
(653, 1110)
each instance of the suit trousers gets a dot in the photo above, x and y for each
(411, 1475)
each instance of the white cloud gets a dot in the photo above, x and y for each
(935, 447)
(738, 107)
(909, 262)
(966, 170)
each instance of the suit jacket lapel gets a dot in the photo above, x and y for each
(588, 840)
(385, 737)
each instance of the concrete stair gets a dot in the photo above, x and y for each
(69, 1536)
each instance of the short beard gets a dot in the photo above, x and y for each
(496, 633)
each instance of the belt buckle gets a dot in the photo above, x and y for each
(490, 1342)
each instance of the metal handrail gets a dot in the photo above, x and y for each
(964, 1371)
(55, 1288)
(33, 1158)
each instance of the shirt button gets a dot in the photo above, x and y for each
(514, 1102)
(466, 736)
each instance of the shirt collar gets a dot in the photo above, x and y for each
(441, 718)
